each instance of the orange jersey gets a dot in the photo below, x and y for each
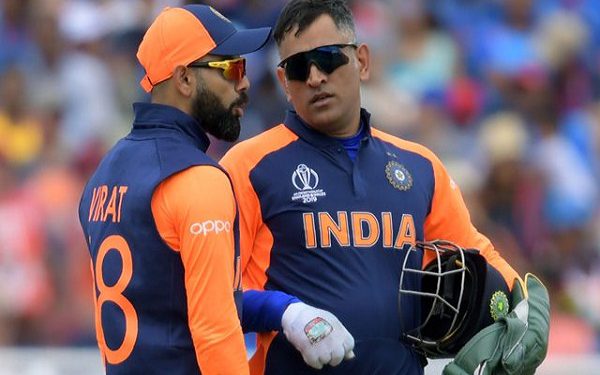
(333, 232)
(159, 218)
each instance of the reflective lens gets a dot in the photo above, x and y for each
(326, 58)
(233, 70)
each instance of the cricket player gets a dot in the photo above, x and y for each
(159, 215)
(329, 205)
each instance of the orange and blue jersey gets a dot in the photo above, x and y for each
(333, 231)
(159, 217)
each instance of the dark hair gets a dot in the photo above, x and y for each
(304, 12)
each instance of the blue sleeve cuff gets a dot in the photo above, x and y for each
(262, 310)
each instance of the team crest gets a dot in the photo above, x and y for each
(398, 176)
(306, 181)
(499, 305)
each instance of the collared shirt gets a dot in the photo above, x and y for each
(334, 233)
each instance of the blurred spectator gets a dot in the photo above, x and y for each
(26, 292)
(71, 320)
(507, 92)
(43, 75)
(426, 57)
(394, 110)
(502, 52)
(20, 132)
(90, 110)
(571, 190)
(506, 193)
(15, 34)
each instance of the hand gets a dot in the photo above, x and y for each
(317, 334)
(515, 344)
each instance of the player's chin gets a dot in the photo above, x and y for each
(324, 118)
(227, 128)
(232, 133)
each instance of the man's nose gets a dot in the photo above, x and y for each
(243, 84)
(315, 76)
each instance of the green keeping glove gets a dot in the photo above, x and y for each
(514, 344)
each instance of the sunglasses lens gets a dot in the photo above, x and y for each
(297, 68)
(327, 59)
(236, 70)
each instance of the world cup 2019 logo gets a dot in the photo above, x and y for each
(305, 178)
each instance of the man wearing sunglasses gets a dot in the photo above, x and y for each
(159, 215)
(330, 206)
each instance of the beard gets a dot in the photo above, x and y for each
(212, 115)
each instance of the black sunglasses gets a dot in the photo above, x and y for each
(326, 58)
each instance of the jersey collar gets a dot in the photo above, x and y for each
(304, 131)
(160, 116)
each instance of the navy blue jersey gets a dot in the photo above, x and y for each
(142, 311)
(333, 232)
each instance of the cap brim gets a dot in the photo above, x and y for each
(243, 41)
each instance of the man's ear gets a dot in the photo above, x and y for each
(184, 80)
(283, 82)
(363, 56)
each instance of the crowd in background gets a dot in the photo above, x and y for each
(506, 92)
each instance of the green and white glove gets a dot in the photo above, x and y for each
(317, 334)
(515, 344)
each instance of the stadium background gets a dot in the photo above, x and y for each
(506, 92)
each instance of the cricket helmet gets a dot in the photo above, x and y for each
(456, 294)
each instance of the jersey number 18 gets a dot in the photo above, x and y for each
(114, 294)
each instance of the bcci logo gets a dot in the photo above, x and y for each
(306, 180)
(398, 176)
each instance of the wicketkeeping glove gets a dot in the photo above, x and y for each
(317, 334)
(514, 344)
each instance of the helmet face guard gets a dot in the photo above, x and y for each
(449, 297)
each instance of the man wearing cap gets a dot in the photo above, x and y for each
(159, 215)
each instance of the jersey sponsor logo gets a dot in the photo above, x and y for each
(357, 229)
(306, 180)
(398, 176)
(210, 226)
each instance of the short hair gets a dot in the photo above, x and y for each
(303, 13)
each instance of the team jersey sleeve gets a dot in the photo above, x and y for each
(194, 212)
(449, 220)
(255, 242)
(264, 309)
